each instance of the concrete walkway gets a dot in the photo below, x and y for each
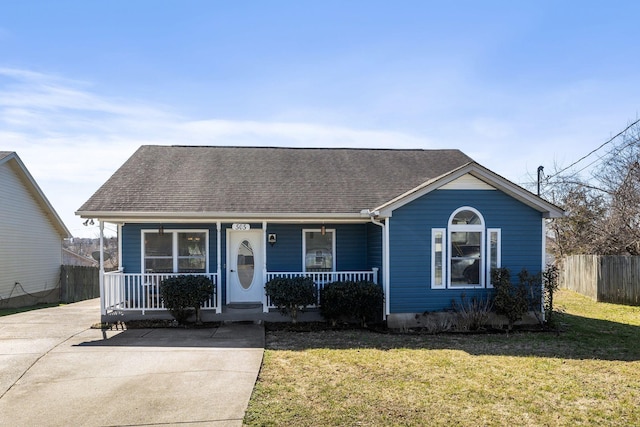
(57, 371)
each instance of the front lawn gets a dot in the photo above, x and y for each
(589, 374)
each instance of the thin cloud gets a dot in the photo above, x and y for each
(72, 138)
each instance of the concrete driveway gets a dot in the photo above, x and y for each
(57, 371)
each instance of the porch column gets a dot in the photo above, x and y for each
(103, 309)
(265, 309)
(219, 269)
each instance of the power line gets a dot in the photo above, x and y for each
(610, 140)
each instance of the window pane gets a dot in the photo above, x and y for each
(438, 259)
(191, 252)
(190, 244)
(158, 265)
(319, 256)
(246, 267)
(158, 245)
(466, 217)
(493, 250)
(191, 265)
(465, 258)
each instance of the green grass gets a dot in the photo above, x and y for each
(8, 311)
(588, 374)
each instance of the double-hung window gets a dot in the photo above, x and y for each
(464, 253)
(175, 251)
(318, 250)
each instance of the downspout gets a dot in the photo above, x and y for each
(385, 260)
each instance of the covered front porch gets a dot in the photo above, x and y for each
(126, 296)
(239, 258)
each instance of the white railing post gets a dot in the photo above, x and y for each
(375, 275)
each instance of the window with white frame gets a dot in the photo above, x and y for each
(175, 251)
(464, 254)
(318, 250)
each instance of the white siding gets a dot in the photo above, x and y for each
(30, 246)
(467, 182)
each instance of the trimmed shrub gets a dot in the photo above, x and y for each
(182, 295)
(509, 300)
(362, 301)
(291, 295)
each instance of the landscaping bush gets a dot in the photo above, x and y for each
(362, 301)
(182, 295)
(509, 300)
(291, 295)
(551, 283)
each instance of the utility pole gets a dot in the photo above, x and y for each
(540, 169)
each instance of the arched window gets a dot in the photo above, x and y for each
(466, 243)
(463, 254)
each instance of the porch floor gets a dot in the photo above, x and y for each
(230, 313)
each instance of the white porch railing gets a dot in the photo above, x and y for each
(324, 277)
(141, 292)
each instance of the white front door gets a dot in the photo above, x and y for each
(244, 266)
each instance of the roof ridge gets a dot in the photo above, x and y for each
(304, 148)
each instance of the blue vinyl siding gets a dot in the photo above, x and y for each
(374, 249)
(410, 244)
(286, 254)
(352, 251)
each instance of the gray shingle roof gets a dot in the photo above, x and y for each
(196, 179)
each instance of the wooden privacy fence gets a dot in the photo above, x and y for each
(614, 279)
(79, 283)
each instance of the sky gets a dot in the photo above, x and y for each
(513, 84)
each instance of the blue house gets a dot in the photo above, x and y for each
(427, 225)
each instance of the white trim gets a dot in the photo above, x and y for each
(304, 246)
(219, 268)
(230, 231)
(185, 217)
(498, 231)
(462, 228)
(386, 263)
(120, 267)
(174, 245)
(103, 309)
(443, 232)
(265, 309)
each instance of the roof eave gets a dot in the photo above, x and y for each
(148, 216)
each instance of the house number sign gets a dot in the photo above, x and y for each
(240, 227)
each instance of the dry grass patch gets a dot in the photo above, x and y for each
(589, 374)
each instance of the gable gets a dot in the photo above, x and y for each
(472, 176)
(20, 188)
(467, 182)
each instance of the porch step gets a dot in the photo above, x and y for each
(243, 308)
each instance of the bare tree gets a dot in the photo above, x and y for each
(604, 208)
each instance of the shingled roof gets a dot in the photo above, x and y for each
(265, 180)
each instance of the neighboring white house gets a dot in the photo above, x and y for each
(31, 235)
